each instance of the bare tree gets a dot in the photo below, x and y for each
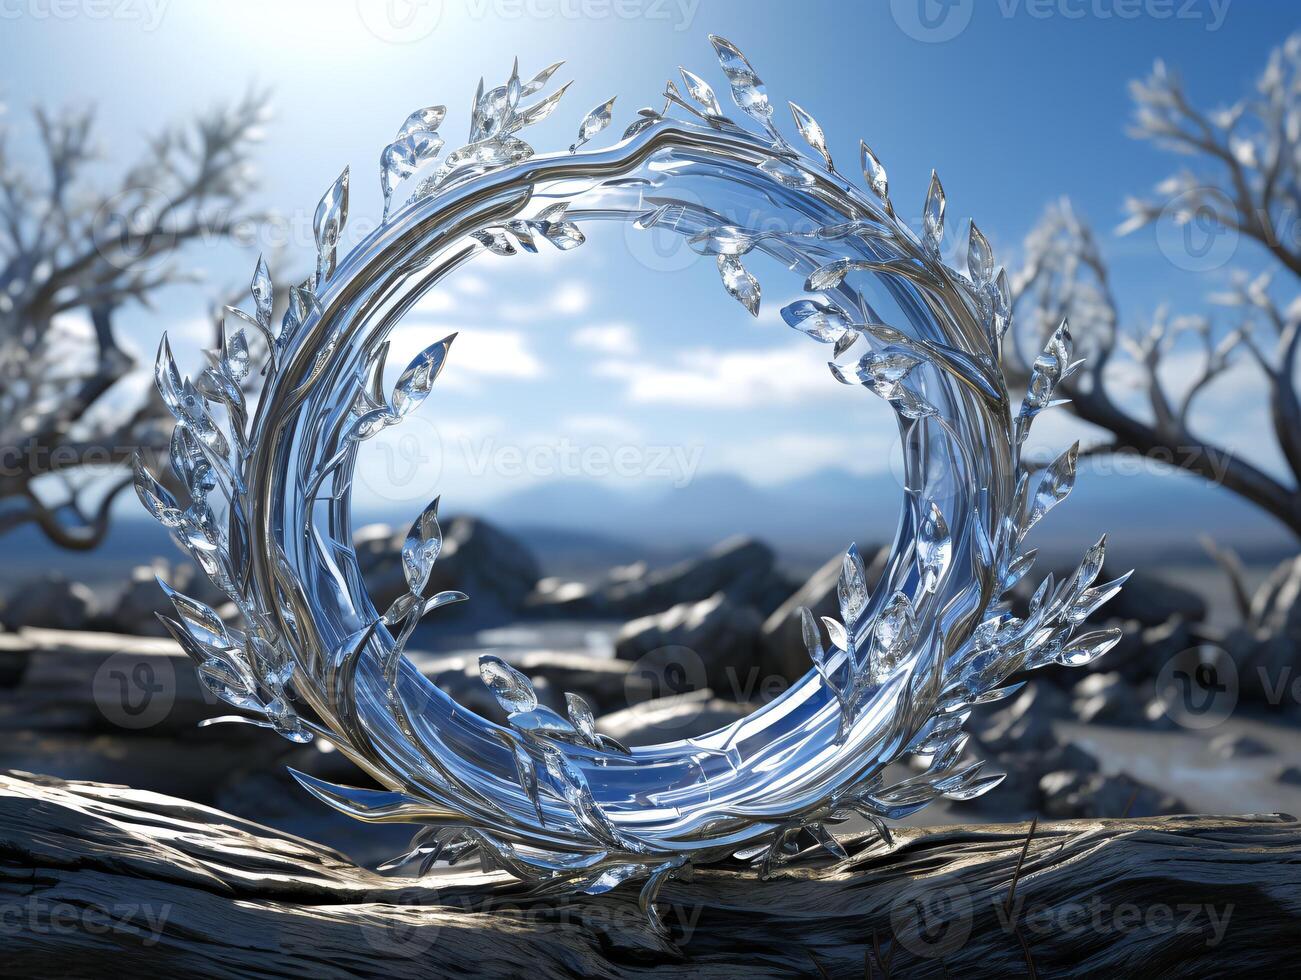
(1246, 185)
(68, 247)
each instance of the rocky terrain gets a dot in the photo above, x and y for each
(90, 689)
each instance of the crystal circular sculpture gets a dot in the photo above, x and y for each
(546, 797)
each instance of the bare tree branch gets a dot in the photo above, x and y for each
(65, 246)
(1253, 150)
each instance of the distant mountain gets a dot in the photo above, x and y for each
(807, 518)
(1148, 516)
(580, 528)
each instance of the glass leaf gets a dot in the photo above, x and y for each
(980, 257)
(402, 158)
(1089, 647)
(594, 122)
(812, 637)
(580, 713)
(738, 282)
(418, 379)
(828, 276)
(425, 120)
(973, 788)
(873, 172)
(199, 619)
(892, 637)
(327, 224)
(513, 691)
(162, 506)
(882, 373)
(564, 235)
(747, 89)
(235, 355)
(827, 324)
(836, 633)
(812, 133)
(538, 82)
(1092, 599)
(538, 111)
(934, 544)
(571, 782)
(933, 215)
(851, 587)
(1047, 370)
(420, 549)
(494, 241)
(700, 91)
(911, 405)
(1055, 484)
(263, 296)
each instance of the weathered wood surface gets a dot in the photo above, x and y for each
(102, 880)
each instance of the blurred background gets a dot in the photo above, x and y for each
(629, 464)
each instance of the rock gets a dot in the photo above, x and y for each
(493, 568)
(86, 683)
(1238, 745)
(1153, 600)
(672, 718)
(1077, 794)
(1265, 649)
(1018, 794)
(1158, 644)
(781, 644)
(1290, 775)
(710, 643)
(51, 601)
(741, 568)
(1108, 699)
(1026, 723)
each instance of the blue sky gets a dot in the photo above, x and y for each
(566, 359)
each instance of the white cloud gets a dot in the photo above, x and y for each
(571, 297)
(612, 338)
(601, 426)
(468, 284)
(784, 455)
(728, 379)
(436, 302)
(536, 305)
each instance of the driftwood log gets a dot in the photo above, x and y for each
(100, 880)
